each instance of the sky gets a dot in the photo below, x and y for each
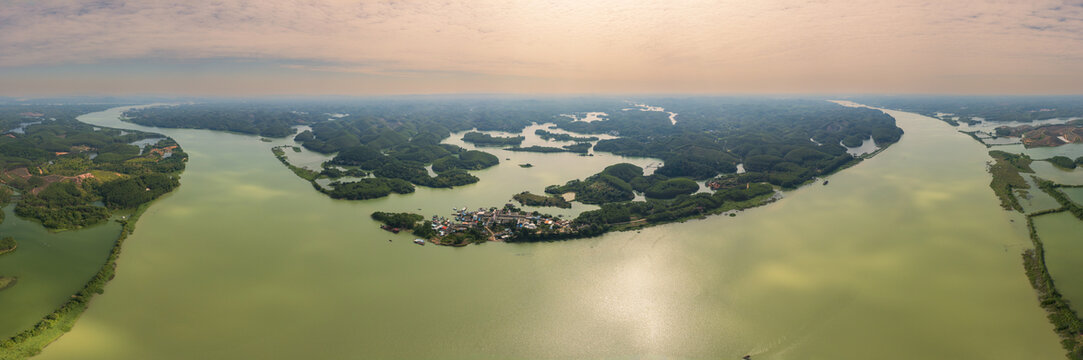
(300, 47)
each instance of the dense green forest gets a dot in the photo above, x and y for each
(72, 174)
(248, 118)
(778, 141)
(785, 142)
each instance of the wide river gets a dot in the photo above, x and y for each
(904, 256)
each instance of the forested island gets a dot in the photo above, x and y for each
(7, 244)
(69, 175)
(510, 224)
(581, 148)
(528, 199)
(482, 139)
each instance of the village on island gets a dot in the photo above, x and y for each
(465, 226)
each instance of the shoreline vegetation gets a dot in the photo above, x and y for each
(7, 245)
(32, 341)
(1006, 169)
(71, 175)
(1066, 321)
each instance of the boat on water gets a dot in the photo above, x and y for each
(825, 182)
(419, 242)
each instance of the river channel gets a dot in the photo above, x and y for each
(906, 255)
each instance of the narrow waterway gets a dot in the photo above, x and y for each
(904, 256)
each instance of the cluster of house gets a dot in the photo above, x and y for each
(492, 218)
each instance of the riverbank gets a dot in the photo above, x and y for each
(1005, 171)
(1066, 322)
(31, 341)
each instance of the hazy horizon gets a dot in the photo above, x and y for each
(372, 48)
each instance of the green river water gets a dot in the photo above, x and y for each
(904, 256)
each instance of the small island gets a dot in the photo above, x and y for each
(509, 223)
(482, 139)
(581, 148)
(548, 135)
(7, 245)
(528, 199)
(7, 282)
(1065, 162)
